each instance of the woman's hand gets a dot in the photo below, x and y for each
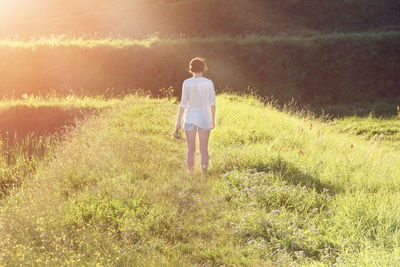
(212, 125)
(178, 125)
(179, 119)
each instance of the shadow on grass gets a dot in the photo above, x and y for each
(289, 172)
(381, 109)
(18, 122)
(27, 133)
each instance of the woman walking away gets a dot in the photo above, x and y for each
(198, 99)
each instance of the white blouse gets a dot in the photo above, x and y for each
(198, 95)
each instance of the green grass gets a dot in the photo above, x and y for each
(378, 108)
(30, 127)
(328, 69)
(121, 43)
(20, 159)
(46, 115)
(375, 129)
(63, 41)
(70, 101)
(283, 188)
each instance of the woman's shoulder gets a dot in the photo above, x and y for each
(208, 80)
(202, 80)
(209, 83)
(187, 80)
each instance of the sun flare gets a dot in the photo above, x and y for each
(300, 101)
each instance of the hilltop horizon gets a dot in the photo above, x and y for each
(139, 18)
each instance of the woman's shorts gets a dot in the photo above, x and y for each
(194, 127)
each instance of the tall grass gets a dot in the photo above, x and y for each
(19, 159)
(63, 41)
(381, 130)
(283, 188)
(30, 127)
(53, 100)
(46, 115)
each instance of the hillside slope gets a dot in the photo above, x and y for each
(282, 189)
(139, 18)
(30, 127)
(329, 69)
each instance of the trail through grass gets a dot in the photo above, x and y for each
(282, 189)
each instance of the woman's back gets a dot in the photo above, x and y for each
(197, 96)
(198, 93)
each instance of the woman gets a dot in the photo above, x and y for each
(198, 99)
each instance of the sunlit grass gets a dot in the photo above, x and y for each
(81, 42)
(307, 69)
(24, 147)
(283, 188)
(120, 43)
(62, 102)
(382, 130)
(19, 159)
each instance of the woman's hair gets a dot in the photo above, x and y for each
(197, 65)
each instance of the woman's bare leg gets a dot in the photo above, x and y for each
(191, 149)
(203, 138)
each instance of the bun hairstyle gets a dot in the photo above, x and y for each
(197, 65)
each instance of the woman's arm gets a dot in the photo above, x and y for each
(179, 119)
(212, 100)
(213, 117)
(182, 106)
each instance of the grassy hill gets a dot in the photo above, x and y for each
(283, 188)
(322, 70)
(140, 18)
(317, 52)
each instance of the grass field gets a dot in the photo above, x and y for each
(283, 188)
(305, 156)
